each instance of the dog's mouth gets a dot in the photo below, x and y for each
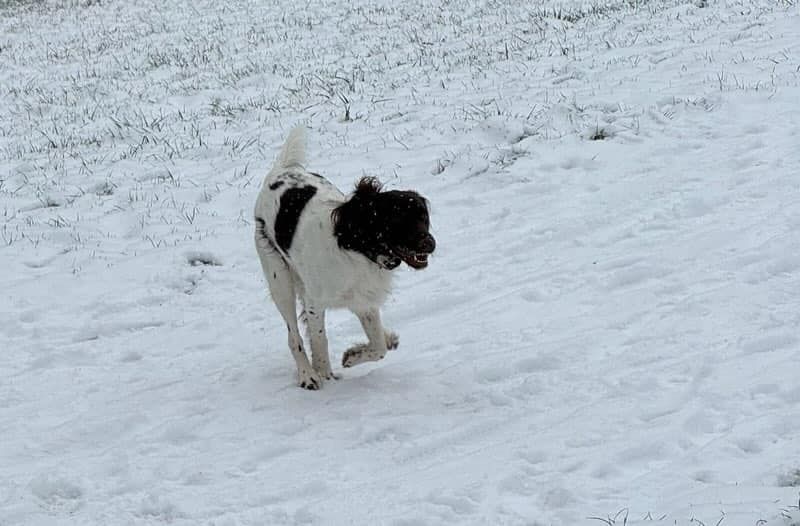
(415, 260)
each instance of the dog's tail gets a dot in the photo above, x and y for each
(294, 149)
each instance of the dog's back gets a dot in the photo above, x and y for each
(287, 192)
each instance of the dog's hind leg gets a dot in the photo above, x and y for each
(380, 340)
(281, 288)
(320, 361)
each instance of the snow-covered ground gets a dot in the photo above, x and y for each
(608, 333)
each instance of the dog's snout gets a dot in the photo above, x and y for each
(428, 244)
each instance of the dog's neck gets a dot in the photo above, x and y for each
(357, 228)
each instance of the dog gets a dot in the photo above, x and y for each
(334, 251)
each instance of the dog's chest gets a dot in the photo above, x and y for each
(365, 291)
(330, 276)
(343, 280)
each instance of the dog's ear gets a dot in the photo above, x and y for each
(354, 222)
(368, 186)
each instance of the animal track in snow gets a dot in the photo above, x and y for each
(57, 494)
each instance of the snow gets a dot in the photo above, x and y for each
(608, 332)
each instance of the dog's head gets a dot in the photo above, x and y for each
(386, 226)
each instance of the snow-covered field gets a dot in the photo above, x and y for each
(608, 334)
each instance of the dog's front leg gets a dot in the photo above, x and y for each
(379, 340)
(320, 360)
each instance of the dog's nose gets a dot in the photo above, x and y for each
(428, 244)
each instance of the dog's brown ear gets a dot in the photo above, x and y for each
(368, 186)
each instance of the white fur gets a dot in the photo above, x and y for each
(317, 271)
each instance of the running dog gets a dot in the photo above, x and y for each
(334, 251)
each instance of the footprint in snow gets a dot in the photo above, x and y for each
(748, 445)
(57, 494)
(158, 508)
(197, 258)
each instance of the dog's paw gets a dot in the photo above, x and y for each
(361, 353)
(310, 380)
(327, 374)
(392, 340)
(354, 355)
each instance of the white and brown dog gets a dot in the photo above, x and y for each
(334, 251)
